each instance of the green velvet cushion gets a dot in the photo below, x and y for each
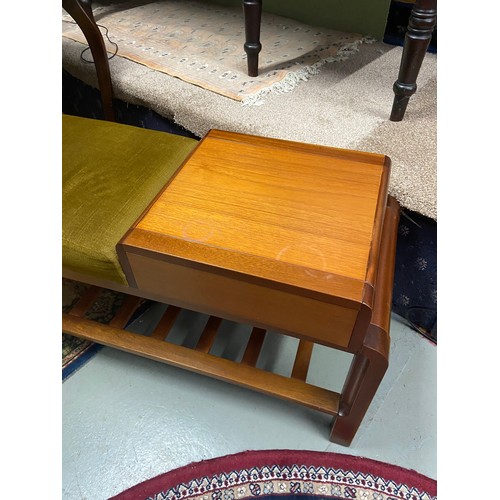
(111, 172)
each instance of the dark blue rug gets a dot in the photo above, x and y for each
(415, 278)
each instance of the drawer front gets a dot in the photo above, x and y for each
(237, 300)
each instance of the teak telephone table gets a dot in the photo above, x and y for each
(280, 235)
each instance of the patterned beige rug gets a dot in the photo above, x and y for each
(202, 44)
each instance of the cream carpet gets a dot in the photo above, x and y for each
(347, 104)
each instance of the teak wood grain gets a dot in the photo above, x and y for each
(208, 334)
(238, 300)
(302, 360)
(251, 224)
(254, 346)
(166, 322)
(128, 308)
(247, 376)
(268, 199)
(371, 360)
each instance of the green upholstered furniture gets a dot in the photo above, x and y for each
(111, 172)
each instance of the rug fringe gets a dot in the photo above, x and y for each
(293, 78)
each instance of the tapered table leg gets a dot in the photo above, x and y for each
(81, 12)
(253, 12)
(420, 27)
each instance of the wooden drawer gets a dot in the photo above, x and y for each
(278, 234)
(231, 298)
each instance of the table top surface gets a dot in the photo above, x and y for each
(295, 213)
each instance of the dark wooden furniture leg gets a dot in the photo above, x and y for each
(370, 363)
(81, 12)
(420, 27)
(253, 13)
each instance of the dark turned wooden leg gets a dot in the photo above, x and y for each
(420, 27)
(371, 361)
(81, 12)
(253, 13)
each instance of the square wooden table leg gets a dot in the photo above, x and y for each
(371, 361)
(367, 371)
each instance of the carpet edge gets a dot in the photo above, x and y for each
(261, 458)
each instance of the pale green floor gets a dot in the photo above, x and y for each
(127, 419)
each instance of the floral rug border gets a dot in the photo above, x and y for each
(348, 477)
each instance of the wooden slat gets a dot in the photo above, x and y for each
(130, 304)
(85, 301)
(302, 359)
(253, 347)
(262, 381)
(207, 337)
(166, 322)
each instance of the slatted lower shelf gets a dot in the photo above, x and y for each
(199, 359)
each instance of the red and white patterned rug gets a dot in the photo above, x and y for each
(286, 475)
